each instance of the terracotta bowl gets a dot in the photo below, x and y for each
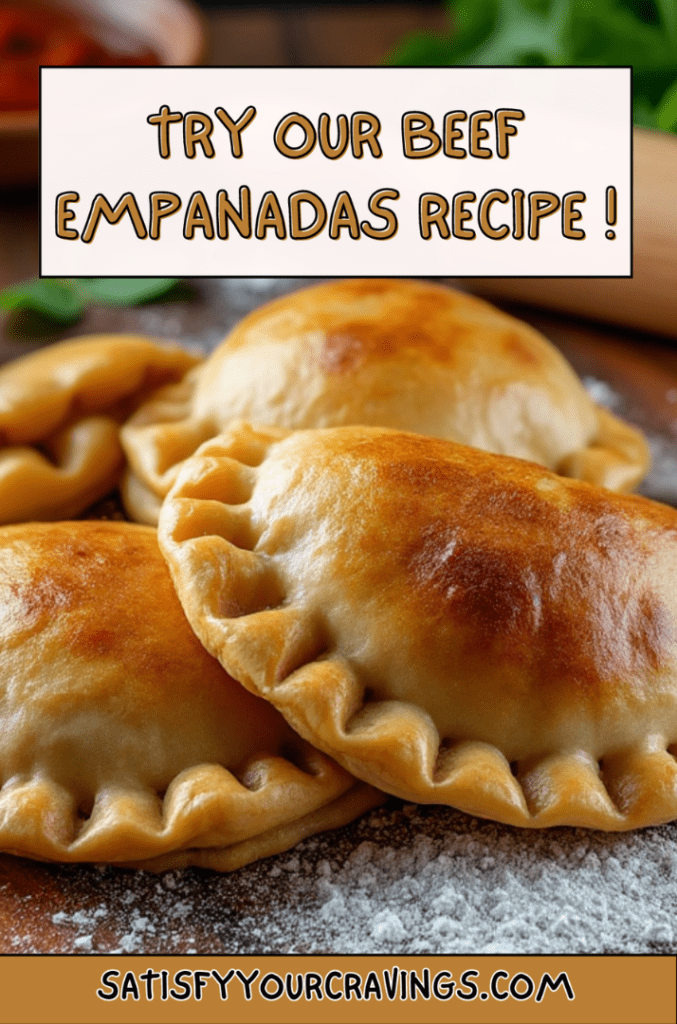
(171, 28)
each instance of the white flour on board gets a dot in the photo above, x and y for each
(406, 880)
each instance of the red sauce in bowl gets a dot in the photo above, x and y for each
(32, 34)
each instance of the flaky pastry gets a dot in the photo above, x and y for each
(393, 353)
(452, 626)
(122, 739)
(60, 414)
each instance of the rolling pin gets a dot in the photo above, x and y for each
(648, 300)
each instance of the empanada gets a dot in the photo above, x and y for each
(60, 411)
(452, 626)
(122, 739)
(394, 353)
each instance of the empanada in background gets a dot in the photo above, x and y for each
(60, 414)
(394, 353)
(452, 626)
(123, 741)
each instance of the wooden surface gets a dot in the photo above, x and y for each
(299, 35)
(633, 372)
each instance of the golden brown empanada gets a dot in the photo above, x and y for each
(60, 410)
(122, 739)
(394, 353)
(452, 626)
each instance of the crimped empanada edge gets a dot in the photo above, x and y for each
(617, 456)
(58, 453)
(324, 702)
(342, 811)
(208, 816)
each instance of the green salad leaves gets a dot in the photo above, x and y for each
(642, 33)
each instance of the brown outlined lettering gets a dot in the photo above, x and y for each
(494, 195)
(461, 215)
(504, 130)
(225, 212)
(451, 133)
(570, 215)
(343, 216)
(296, 230)
(270, 216)
(280, 140)
(236, 128)
(197, 216)
(416, 124)
(197, 130)
(162, 204)
(163, 121)
(364, 130)
(333, 152)
(433, 209)
(518, 213)
(376, 207)
(478, 134)
(541, 204)
(64, 215)
(101, 208)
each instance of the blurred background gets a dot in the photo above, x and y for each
(304, 34)
(34, 32)
(641, 33)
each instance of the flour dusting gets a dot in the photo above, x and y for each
(404, 879)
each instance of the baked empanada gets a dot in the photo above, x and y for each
(404, 354)
(60, 411)
(452, 626)
(122, 739)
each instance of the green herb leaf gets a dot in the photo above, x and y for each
(55, 299)
(65, 300)
(668, 15)
(666, 113)
(641, 33)
(125, 291)
(643, 114)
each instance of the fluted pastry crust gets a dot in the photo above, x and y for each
(409, 355)
(60, 414)
(452, 626)
(122, 739)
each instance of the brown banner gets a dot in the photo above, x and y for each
(51, 990)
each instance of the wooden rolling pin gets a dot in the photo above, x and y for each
(648, 300)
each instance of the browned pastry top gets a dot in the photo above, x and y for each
(408, 355)
(123, 740)
(400, 597)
